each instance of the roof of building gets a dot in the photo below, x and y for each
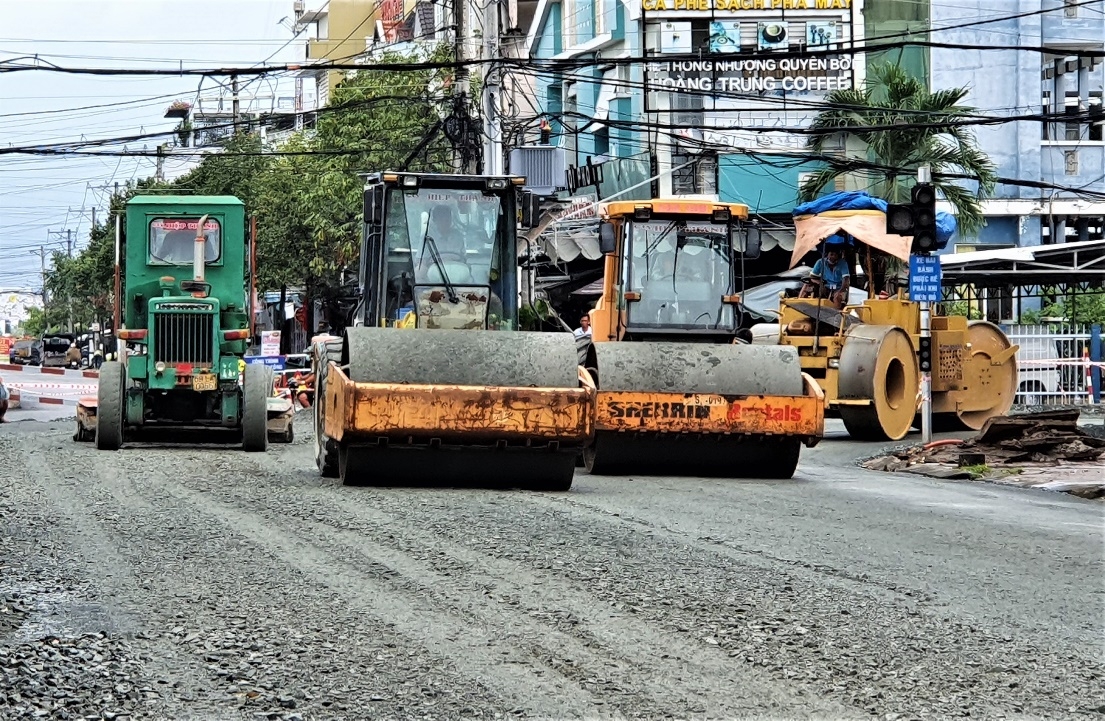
(1058, 264)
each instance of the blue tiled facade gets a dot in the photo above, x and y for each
(1016, 82)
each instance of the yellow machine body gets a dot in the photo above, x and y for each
(452, 412)
(865, 359)
(433, 380)
(679, 395)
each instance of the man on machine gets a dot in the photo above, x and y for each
(830, 277)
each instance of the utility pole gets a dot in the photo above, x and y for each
(235, 105)
(493, 143)
(41, 253)
(462, 85)
(924, 175)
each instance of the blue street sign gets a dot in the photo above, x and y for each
(925, 276)
(276, 362)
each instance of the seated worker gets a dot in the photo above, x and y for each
(178, 246)
(448, 233)
(73, 355)
(302, 386)
(831, 277)
(584, 326)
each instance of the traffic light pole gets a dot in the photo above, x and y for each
(924, 175)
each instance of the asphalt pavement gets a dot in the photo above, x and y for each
(183, 582)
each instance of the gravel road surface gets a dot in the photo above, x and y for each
(206, 583)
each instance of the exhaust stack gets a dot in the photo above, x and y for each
(197, 257)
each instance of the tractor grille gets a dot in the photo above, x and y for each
(184, 334)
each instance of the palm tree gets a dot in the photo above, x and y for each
(904, 126)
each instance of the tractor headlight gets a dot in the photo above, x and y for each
(159, 367)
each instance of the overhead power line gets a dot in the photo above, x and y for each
(38, 64)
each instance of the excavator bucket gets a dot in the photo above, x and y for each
(458, 406)
(702, 409)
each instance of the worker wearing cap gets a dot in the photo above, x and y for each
(831, 276)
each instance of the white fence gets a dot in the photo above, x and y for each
(1050, 364)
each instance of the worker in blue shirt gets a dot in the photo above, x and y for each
(831, 277)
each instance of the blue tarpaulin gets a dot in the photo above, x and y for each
(859, 200)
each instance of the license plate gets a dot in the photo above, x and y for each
(205, 382)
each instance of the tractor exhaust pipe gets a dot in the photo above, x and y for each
(197, 257)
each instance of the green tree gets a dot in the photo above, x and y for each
(307, 198)
(904, 126)
(1082, 308)
(35, 324)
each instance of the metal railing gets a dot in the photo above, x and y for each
(1053, 361)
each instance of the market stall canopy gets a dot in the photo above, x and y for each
(858, 215)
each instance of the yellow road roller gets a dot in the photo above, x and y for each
(865, 359)
(679, 390)
(433, 381)
(865, 355)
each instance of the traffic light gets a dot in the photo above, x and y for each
(916, 218)
(924, 218)
(924, 354)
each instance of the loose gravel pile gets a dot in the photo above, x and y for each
(72, 678)
(182, 583)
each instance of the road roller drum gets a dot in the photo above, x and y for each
(457, 406)
(878, 382)
(988, 379)
(702, 409)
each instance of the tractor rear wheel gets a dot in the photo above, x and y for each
(256, 389)
(111, 398)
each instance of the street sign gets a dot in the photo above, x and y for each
(276, 362)
(925, 276)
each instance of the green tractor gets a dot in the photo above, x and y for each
(186, 316)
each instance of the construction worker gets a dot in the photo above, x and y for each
(829, 278)
(303, 386)
(3, 400)
(584, 328)
(73, 356)
(446, 230)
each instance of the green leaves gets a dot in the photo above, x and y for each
(308, 206)
(904, 126)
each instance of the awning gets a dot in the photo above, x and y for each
(1058, 264)
(593, 289)
(866, 226)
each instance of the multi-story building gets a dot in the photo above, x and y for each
(1022, 81)
(695, 126)
(711, 127)
(341, 29)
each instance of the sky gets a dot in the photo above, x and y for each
(39, 195)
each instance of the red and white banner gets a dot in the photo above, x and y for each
(39, 370)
